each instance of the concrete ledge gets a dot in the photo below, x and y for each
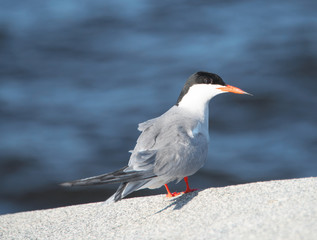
(265, 210)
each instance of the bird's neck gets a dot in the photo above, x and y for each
(197, 110)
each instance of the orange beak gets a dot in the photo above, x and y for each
(229, 88)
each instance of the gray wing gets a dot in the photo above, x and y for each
(144, 154)
(184, 156)
(166, 147)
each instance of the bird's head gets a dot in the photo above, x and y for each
(202, 86)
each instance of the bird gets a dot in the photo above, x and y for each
(171, 147)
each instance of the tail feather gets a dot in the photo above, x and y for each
(118, 176)
(126, 188)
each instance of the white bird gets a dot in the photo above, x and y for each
(170, 147)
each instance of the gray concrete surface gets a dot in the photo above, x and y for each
(264, 210)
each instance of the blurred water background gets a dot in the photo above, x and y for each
(76, 77)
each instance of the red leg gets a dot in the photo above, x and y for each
(188, 189)
(169, 194)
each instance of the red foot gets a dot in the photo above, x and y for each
(169, 194)
(188, 189)
(174, 194)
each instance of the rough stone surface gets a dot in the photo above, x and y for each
(264, 210)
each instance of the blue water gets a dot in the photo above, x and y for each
(77, 77)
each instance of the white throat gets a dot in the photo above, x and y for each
(197, 99)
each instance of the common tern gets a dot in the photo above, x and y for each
(170, 147)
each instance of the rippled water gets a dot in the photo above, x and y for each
(77, 77)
